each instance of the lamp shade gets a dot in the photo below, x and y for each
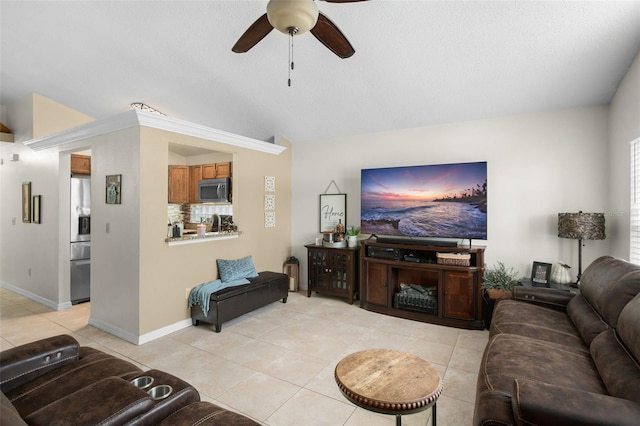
(581, 226)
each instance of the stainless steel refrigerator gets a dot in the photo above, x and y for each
(80, 239)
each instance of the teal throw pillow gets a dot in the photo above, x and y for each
(233, 270)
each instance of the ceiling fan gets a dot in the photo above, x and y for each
(294, 17)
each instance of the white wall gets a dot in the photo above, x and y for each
(624, 126)
(538, 165)
(115, 255)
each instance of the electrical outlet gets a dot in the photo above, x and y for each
(186, 292)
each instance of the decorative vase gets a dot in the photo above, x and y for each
(560, 273)
(352, 240)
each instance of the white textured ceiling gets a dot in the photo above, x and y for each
(417, 63)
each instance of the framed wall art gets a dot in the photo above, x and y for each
(26, 202)
(333, 208)
(113, 189)
(35, 208)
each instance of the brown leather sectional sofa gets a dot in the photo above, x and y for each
(56, 381)
(554, 358)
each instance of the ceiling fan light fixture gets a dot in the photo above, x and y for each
(284, 15)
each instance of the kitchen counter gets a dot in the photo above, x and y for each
(194, 238)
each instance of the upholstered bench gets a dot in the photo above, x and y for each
(232, 302)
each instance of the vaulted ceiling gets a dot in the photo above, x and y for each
(417, 63)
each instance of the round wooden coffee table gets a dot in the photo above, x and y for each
(389, 382)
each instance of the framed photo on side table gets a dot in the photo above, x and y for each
(541, 272)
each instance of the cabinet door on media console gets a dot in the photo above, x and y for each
(376, 282)
(458, 295)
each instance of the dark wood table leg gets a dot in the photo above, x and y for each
(398, 420)
(433, 415)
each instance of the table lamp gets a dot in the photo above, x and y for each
(581, 226)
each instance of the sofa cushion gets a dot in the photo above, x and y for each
(206, 414)
(608, 284)
(585, 319)
(526, 319)
(629, 328)
(619, 372)
(508, 357)
(234, 270)
(616, 354)
(108, 401)
(536, 403)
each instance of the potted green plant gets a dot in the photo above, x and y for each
(352, 236)
(499, 281)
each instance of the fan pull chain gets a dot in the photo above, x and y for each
(291, 32)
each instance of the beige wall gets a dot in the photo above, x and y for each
(624, 127)
(166, 272)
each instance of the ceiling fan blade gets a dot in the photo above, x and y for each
(256, 32)
(329, 35)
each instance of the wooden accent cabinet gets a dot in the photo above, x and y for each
(454, 293)
(178, 184)
(80, 164)
(332, 271)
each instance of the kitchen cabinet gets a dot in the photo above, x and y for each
(332, 271)
(80, 164)
(178, 184)
(183, 180)
(195, 175)
(223, 170)
(208, 171)
(410, 281)
(216, 171)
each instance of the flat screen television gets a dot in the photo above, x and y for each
(439, 201)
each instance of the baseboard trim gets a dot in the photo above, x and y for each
(142, 339)
(39, 299)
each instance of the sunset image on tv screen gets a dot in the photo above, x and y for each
(443, 200)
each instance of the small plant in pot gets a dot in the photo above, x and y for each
(499, 281)
(352, 236)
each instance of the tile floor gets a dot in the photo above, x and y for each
(276, 364)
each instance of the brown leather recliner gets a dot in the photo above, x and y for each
(55, 381)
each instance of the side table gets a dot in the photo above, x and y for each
(389, 382)
(563, 287)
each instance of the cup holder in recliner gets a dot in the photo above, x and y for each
(160, 392)
(142, 382)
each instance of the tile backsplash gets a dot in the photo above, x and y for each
(196, 213)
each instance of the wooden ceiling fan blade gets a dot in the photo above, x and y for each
(329, 35)
(256, 32)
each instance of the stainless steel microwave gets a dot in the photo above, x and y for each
(213, 190)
